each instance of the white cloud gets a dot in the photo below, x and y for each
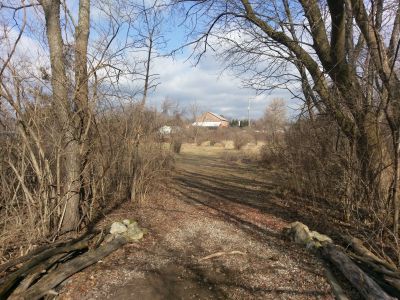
(205, 84)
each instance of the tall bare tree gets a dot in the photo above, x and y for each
(346, 54)
(73, 115)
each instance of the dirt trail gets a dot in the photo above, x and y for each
(210, 206)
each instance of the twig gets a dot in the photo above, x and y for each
(218, 254)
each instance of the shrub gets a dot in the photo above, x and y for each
(271, 155)
(240, 139)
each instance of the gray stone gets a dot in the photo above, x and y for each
(322, 238)
(117, 228)
(301, 233)
(128, 221)
(134, 233)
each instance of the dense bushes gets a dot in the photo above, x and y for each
(317, 162)
(31, 198)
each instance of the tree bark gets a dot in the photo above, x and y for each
(14, 278)
(62, 105)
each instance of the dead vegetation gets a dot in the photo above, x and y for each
(74, 144)
(30, 216)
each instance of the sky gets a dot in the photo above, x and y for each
(209, 88)
(183, 81)
(204, 83)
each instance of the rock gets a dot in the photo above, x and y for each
(301, 234)
(129, 229)
(117, 228)
(322, 238)
(128, 221)
(134, 232)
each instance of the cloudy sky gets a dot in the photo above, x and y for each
(180, 80)
(211, 89)
(205, 83)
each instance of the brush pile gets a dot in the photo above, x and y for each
(37, 274)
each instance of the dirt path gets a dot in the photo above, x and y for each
(210, 207)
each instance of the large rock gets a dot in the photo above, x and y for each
(118, 228)
(301, 234)
(322, 238)
(128, 229)
(134, 232)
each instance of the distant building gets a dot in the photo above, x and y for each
(167, 130)
(211, 120)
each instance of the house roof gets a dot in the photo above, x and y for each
(218, 116)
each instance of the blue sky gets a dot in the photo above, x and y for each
(180, 79)
(205, 83)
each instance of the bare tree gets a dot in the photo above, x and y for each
(68, 111)
(346, 57)
(66, 115)
(275, 118)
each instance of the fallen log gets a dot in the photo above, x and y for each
(387, 279)
(34, 274)
(359, 248)
(10, 281)
(336, 288)
(370, 286)
(374, 267)
(12, 263)
(51, 280)
(367, 287)
(43, 271)
(4, 267)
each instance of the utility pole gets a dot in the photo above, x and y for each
(248, 113)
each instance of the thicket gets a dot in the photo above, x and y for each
(317, 162)
(32, 205)
(76, 138)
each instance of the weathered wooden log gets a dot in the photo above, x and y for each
(367, 287)
(387, 279)
(14, 278)
(4, 267)
(12, 263)
(373, 266)
(362, 251)
(336, 288)
(34, 274)
(48, 282)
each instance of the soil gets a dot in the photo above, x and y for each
(210, 206)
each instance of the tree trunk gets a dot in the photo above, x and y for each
(81, 97)
(395, 184)
(59, 83)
